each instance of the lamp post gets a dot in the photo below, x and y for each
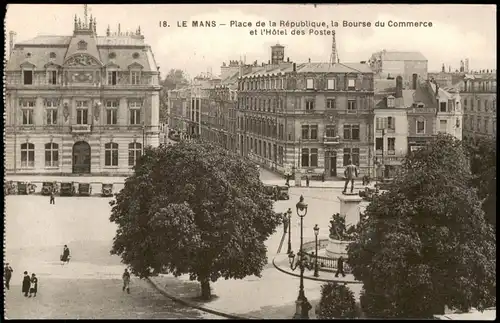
(289, 212)
(302, 305)
(316, 232)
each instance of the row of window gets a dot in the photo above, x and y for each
(391, 144)
(309, 157)
(479, 124)
(485, 106)
(280, 83)
(82, 112)
(52, 77)
(270, 105)
(52, 154)
(480, 86)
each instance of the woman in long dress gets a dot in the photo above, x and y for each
(33, 285)
(65, 255)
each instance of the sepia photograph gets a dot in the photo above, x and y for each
(250, 161)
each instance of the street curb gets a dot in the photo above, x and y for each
(198, 307)
(315, 278)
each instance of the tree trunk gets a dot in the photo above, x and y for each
(205, 289)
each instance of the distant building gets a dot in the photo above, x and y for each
(83, 104)
(390, 126)
(409, 65)
(311, 116)
(178, 112)
(478, 91)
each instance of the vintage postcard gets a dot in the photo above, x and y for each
(253, 161)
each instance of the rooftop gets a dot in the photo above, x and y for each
(118, 40)
(312, 68)
(400, 56)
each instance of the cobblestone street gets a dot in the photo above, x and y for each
(90, 285)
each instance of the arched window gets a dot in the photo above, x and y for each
(111, 154)
(51, 155)
(134, 152)
(27, 155)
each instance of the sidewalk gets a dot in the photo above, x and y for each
(270, 297)
(78, 179)
(317, 184)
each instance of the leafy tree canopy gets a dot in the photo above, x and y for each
(483, 158)
(425, 243)
(174, 78)
(193, 208)
(337, 301)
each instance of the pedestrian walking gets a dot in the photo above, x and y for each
(7, 274)
(26, 284)
(285, 222)
(307, 180)
(65, 257)
(351, 171)
(33, 285)
(126, 281)
(340, 267)
(287, 177)
(52, 196)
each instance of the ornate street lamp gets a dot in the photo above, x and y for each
(289, 212)
(316, 232)
(302, 305)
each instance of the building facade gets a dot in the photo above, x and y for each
(390, 127)
(313, 117)
(409, 65)
(478, 93)
(83, 104)
(178, 113)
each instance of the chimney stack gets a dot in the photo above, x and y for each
(309, 60)
(294, 67)
(399, 86)
(414, 82)
(12, 39)
(442, 68)
(288, 59)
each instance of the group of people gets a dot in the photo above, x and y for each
(30, 285)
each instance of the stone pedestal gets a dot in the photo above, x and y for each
(337, 248)
(349, 208)
(298, 178)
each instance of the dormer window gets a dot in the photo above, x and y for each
(310, 84)
(112, 75)
(82, 45)
(390, 102)
(52, 55)
(135, 55)
(420, 105)
(112, 55)
(28, 55)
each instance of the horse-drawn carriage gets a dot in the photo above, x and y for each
(107, 190)
(48, 187)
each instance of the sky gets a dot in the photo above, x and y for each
(457, 32)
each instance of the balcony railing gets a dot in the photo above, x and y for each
(81, 128)
(331, 140)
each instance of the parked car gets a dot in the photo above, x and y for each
(67, 189)
(282, 192)
(84, 189)
(107, 190)
(270, 190)
(22, 188)
(47, 187)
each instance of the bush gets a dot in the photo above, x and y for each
(337, 301)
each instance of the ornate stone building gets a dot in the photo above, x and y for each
(479, 100)
(311, 116)
(82, 104)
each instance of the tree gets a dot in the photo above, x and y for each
(193, 208)
(483, 158)
(425, 244)
(337, 301)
